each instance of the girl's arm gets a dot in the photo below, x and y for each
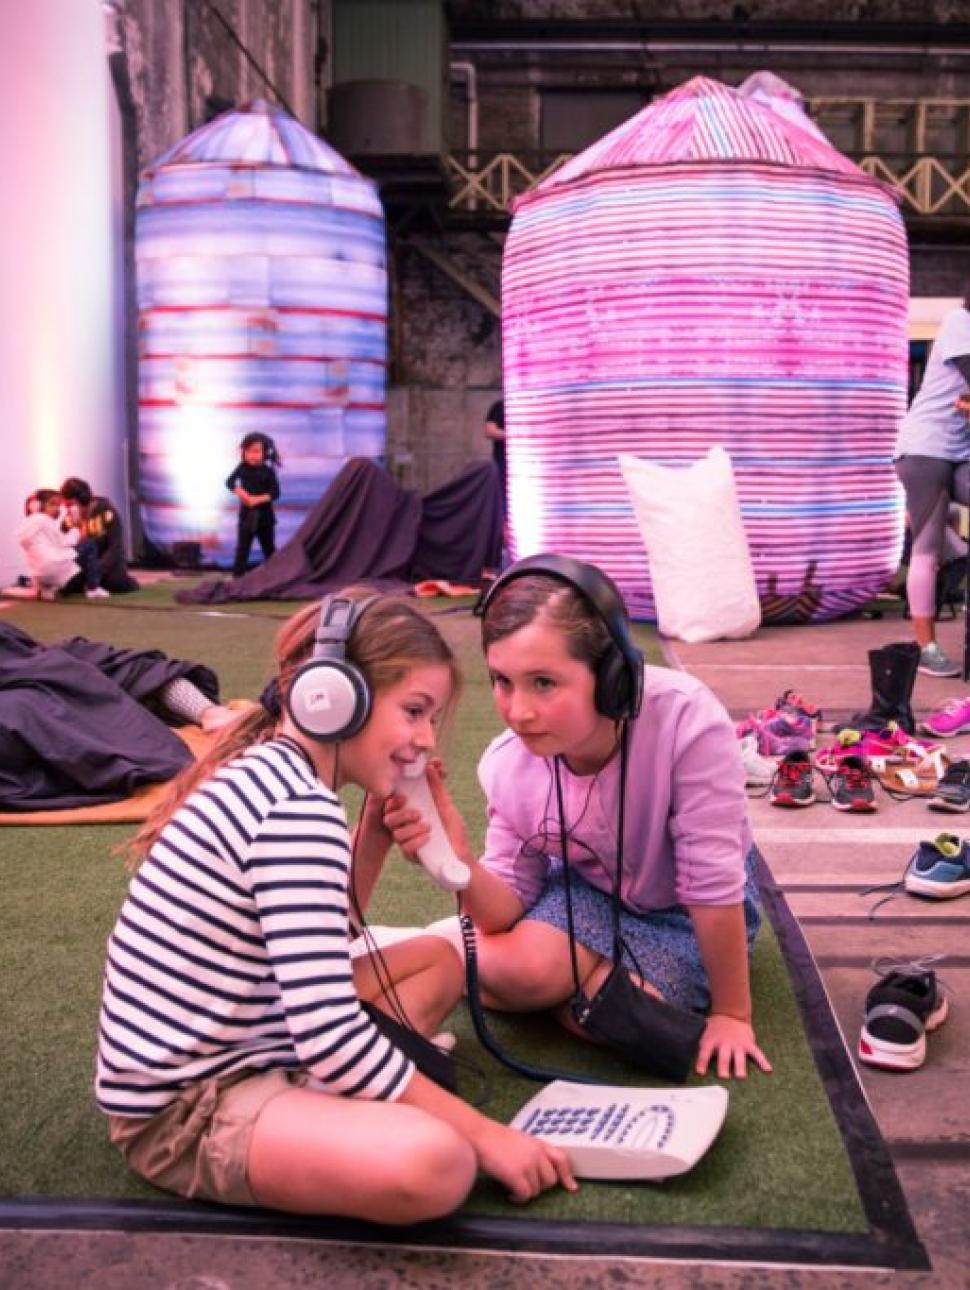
(523, 1164)
(729, 1035)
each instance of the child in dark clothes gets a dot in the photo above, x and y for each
(255, 484)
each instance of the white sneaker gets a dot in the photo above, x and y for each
(757, 769)
(97, 593)
(47, 593)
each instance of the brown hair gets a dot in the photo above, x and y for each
(542, 597)
(390, 637)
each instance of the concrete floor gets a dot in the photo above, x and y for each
(820, 858)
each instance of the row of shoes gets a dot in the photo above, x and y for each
(850, 784)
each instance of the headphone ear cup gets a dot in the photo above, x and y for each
(329, 700)
(612, 695)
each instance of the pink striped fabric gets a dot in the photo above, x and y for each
(710, 273)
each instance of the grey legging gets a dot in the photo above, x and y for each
(931, 484)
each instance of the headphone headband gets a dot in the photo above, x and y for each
(339, 615)
(605, 599)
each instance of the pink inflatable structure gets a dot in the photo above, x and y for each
(711, 272)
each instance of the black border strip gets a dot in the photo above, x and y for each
(883, 1200)
(891, 1242)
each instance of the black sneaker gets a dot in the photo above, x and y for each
(850, 785)
(792, 783)
(905, 1004)
(952, 793)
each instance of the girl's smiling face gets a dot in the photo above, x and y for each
(402, 725)
(253, 454)
(545, 696)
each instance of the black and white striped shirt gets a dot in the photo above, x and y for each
(231, 950)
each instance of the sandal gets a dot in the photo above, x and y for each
(917, 779)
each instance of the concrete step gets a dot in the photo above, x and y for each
(849, 904)
(836, 943)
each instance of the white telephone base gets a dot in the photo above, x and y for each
(609, 1131)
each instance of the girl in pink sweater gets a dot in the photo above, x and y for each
(689, 905)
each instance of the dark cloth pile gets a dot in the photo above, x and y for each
(367, 528)
(76, 721)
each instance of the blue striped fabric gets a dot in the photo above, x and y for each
(231, 950)
(262, 306)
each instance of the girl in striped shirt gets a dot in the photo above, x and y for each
(237, 1058)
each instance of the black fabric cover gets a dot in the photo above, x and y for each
(367, 528)
(461, 528)
(74, 726)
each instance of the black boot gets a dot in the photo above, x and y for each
(892, 672)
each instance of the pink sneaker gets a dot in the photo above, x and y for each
(785, 733)
(754, 721)
(792, 704)
(952, 719)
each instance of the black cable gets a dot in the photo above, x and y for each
(485, 1038)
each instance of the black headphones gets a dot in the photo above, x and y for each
(619, 673)
(329, 698)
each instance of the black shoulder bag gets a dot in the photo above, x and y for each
(646, 1031)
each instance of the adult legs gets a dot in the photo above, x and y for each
(930, 484)
(312, 1153)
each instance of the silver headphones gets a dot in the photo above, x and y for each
(329, 698)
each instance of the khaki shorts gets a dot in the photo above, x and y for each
(198, 1146)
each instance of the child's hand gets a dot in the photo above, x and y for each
(451, 817)
(411, 830)
(523, 1164)
(731, 1042)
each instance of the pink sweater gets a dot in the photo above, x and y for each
(687, 831)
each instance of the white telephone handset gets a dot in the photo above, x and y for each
(437, 856)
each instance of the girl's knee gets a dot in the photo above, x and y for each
(528, 966)
(433, 1172)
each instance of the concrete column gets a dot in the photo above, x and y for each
(59, 278)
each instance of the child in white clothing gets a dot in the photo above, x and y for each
(60, 561)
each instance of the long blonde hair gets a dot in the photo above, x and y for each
(390, 637)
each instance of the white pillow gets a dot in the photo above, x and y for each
(700, 566)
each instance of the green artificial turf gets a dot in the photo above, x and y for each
(779, 1162)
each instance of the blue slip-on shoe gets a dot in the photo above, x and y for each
(939, 868)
